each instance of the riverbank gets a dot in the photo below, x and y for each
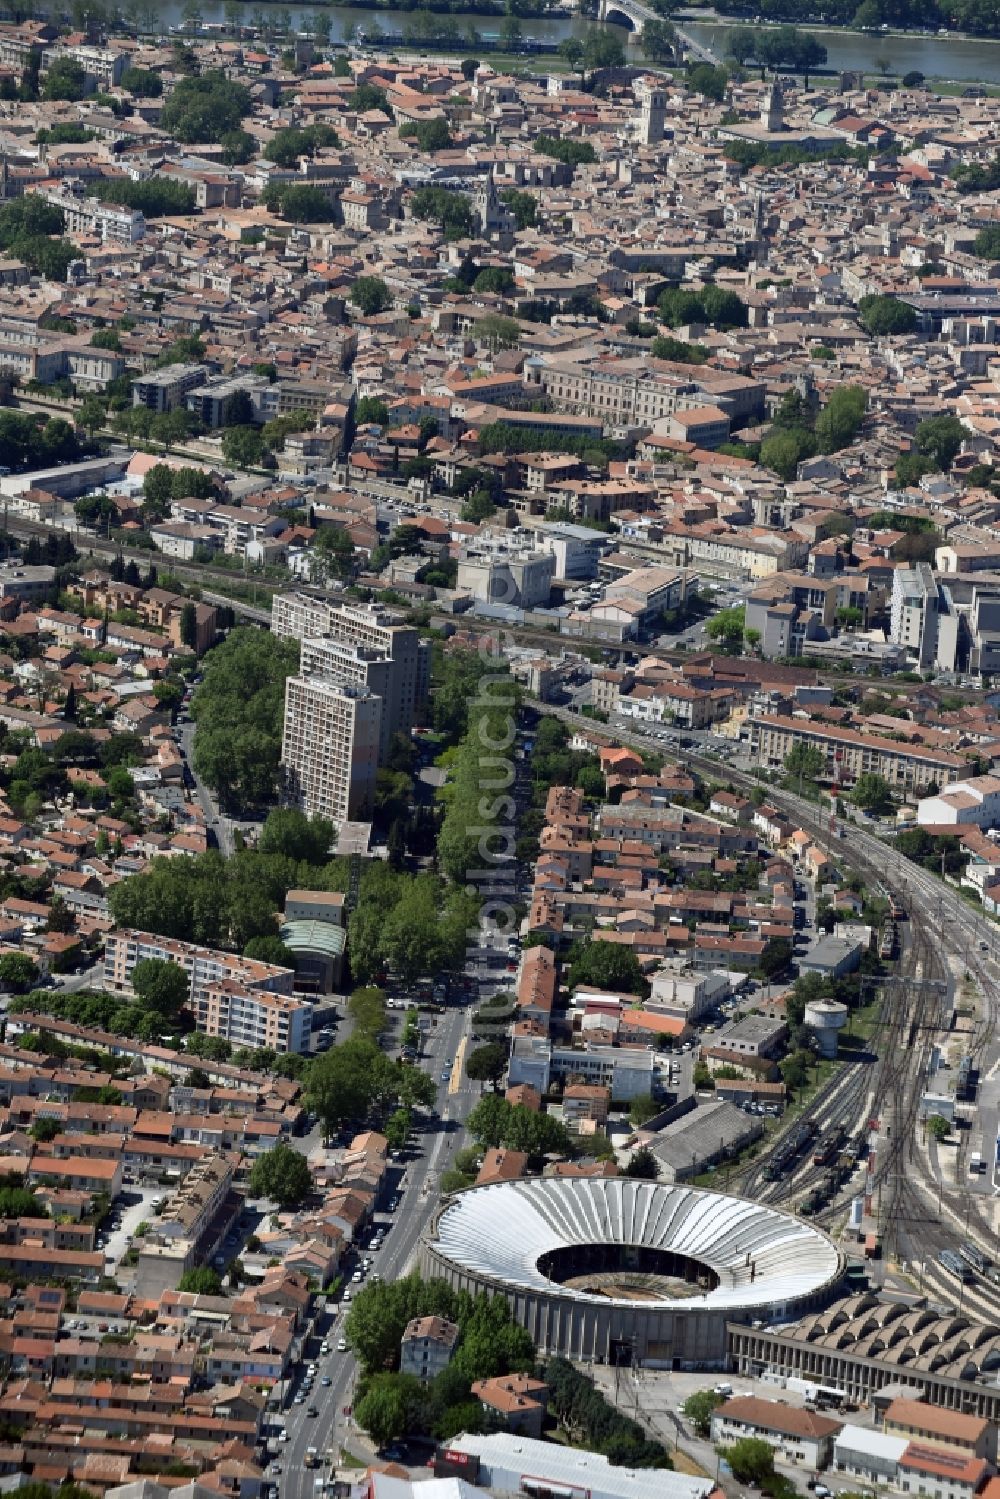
(956, 58)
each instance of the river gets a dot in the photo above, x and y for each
(960, 58)
(345, 19)
(936, 57)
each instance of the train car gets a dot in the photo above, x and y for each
(896, 911)
(974, 1256)
(829, 1148)
(887, 941)
(956, 1266)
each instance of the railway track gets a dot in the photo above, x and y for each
(940, 923)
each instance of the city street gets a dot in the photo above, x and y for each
(418, 1186)
(218, 824)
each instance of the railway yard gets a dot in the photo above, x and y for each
(927, 1216)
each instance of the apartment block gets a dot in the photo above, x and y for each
(914, 613)
(360, 665)
(247, 1002)
(164, 390)
(330, 747)
(108, 221)
(850, 754)
(294, 616)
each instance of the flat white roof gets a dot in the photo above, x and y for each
(870, 1443)
(577, 1472)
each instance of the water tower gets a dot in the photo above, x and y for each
(826, 1019)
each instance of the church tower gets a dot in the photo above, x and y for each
(652, 116)
(772, 115)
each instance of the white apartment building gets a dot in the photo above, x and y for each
(913, 612)
(330, 747)
(971, 803)
(107, 220)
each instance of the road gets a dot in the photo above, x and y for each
(214, 820)
(331, 1429)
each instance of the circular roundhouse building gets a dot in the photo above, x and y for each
(615, 1270)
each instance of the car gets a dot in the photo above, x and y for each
(347, 1294)
(311, 1410)
(357, 1277)
(299, 1400)
(324, 1347)
(341, 1345)
(326, 1381)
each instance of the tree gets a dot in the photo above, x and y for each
(608, 966)
(202, 1281)
(430, 135)
(938, 1127)
(872, 793)
(795, 1068)
(161, 986)
(238, 711)
(776, 956)
(642, 1165)
(658, 39)
(804, 762)
(92, 414)
(270, 950)
(840, 420)
(571, 153)
(243, 447)
(282, 1175)
(524, 206)
(290, 832)
(642, 1109)
(698, 1409)
(470, 67)
(783, 451)
(18, 973)
(300, 203)
(366, 1009)
(204, 108)
(65, 79)
(487, 1064)
(370, 295)
(727, 627)
(987, 243)
(368, 96)
(142, 82)
(371, 409)
(387, 1408)
(189, 625)
(710, 82)
(397, 1128)
(154, 197)
(741, 43)
(883, 316)
(940, 438)
(751, 1459)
